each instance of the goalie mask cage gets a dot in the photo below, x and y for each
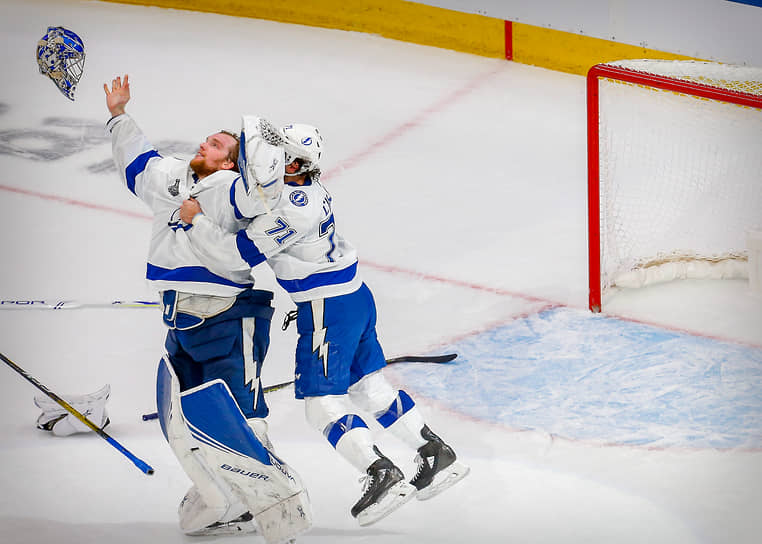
(674, 171)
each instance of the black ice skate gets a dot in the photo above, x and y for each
(384, 491)
(437, 467)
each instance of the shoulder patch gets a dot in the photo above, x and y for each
(174, 188)
(298, 198)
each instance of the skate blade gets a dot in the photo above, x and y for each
(444, 480)
(397, 495)
(225, 529)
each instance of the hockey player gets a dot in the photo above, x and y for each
(338, 357)
(210, 400)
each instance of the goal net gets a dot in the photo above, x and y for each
(674, 171)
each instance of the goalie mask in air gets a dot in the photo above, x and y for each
(303, 142)
(61, 57)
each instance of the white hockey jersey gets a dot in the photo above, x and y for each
(163, 183)
(298, 240)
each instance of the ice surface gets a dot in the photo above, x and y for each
(462, 182)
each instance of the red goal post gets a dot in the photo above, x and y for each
(656, 169)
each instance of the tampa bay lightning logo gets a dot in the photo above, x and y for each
(298, 198)
(307, 141)
(175, 222)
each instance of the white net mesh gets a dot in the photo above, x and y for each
(681, 176)
(745, 79)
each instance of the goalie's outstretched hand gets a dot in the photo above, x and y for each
(118, 96)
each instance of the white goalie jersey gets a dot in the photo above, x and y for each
(298, 240)
(164, 182)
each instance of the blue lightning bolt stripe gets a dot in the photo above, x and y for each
(318, 337)
(249, 326)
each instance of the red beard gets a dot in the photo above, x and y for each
(199, 167)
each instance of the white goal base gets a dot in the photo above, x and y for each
(729, 269)
(754, 244)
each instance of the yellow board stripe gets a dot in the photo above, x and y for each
(573, 53)
(427, 25)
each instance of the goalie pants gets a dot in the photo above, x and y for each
(230, 346)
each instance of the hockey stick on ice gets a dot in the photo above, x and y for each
(138, 463)
(52, 304)
(402, 359)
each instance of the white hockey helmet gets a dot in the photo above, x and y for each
(302, 142)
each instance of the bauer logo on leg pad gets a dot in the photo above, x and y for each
(243, 472)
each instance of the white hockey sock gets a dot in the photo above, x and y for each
(408, 428)
(394, 410)
(347, 432)
(356, 446)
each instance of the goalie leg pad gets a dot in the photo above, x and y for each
(193, 505)
(257, 476)
(286, 519)
(216, 501)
